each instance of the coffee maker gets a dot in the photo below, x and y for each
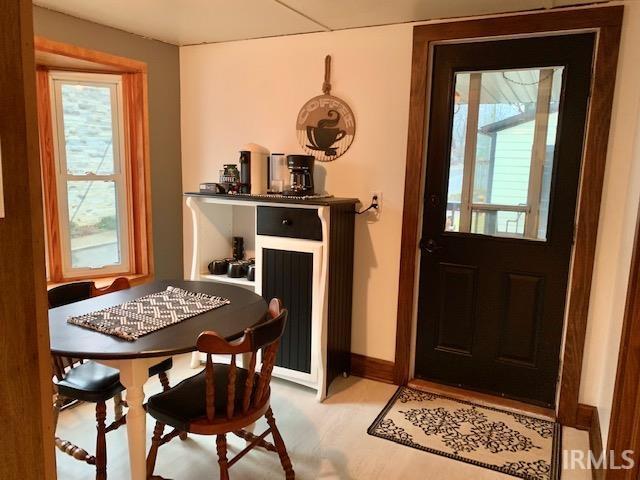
(253, 169)
(301, 172)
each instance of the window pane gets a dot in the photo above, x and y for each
(88, 129)
(93, 224)
(458, 138)
(502, 147)
(498, 223)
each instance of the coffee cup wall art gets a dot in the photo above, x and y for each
(325, 126)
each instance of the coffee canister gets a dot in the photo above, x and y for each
(219, 267)
(251, 272)
(237, 269)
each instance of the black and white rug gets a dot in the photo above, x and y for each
(512, 443)
(147, 314)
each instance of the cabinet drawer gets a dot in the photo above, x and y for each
(289, 222)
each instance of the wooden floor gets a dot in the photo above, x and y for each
(325, 440)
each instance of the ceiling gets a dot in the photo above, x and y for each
(188, 22)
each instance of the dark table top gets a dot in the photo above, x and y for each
(246, 309)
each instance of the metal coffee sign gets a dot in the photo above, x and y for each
(325, 125)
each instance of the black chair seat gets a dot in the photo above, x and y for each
(185, 402)
(91, 382)
(94, 382)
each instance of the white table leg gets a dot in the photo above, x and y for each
(195, 360)
(134, 373)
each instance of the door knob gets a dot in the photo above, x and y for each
(286, 221)
(430, 246)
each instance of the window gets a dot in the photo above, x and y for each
(94, 152)
(91, 172)
(502, 151)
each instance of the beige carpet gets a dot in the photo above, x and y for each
(512, 443)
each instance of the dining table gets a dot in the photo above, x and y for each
(133, 358)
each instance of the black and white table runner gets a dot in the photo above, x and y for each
(147, 314)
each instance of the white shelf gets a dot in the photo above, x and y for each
(225, 279)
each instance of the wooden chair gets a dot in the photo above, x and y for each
(225, 398)
(80, 380)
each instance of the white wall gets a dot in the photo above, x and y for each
(250, 91)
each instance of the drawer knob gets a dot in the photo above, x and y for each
(286, 221)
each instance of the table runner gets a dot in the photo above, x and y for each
(147, 314)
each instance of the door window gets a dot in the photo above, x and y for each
(502, 149)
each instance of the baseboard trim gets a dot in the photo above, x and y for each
(372, 368)
(587, 419)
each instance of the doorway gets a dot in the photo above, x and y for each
(505, 139)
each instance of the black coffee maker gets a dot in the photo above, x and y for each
(301, 171)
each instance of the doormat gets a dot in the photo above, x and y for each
(147, 314)
(512, 443)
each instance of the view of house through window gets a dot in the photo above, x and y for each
(90, 171)
(502, 149)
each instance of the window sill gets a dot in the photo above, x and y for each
(101, 282)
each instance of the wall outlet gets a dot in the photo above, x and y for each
(376, 198)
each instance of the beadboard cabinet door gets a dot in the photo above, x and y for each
(295, 270)
(288, 275)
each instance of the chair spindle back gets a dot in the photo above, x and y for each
(266, 337)
(71, 293)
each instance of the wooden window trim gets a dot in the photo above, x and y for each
(136, 118)
(607, 22)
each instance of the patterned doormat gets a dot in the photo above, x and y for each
(147, 314)
(512, 443)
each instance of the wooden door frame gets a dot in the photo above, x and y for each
(606, 22)
(26, 441)
(624, 430)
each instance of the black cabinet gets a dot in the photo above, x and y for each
(289, 276)
(305, 258)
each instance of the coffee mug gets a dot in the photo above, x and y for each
(324, 138)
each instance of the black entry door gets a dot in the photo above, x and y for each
(505, 137)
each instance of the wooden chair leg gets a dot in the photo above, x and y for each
(117, 406)
(221, 444)
(57, 407)
(285, 461)
(101, 441)
(153, 451)
(164, 381)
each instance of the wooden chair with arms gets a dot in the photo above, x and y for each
(224, 398)
(81, 380)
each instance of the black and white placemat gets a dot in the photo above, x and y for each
(147, 314)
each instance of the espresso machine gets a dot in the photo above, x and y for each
(301, 172)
